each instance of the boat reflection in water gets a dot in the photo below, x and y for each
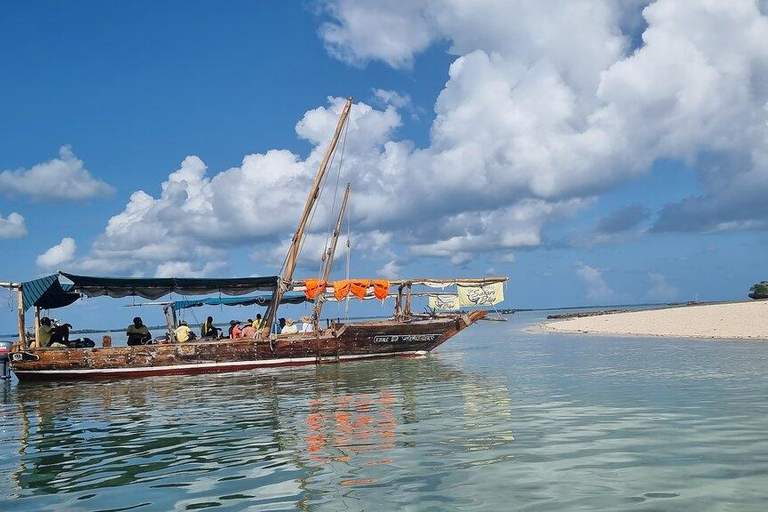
(308, 437)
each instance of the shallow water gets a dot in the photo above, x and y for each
(497, 419)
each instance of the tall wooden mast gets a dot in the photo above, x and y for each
(293, 251)
(328, 259)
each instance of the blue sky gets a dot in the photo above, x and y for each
(594, 154)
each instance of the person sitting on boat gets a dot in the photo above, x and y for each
(290, 327)
(306, 324)
(235, 332)
(55, 336)
(208, 330)
(60, 334)
(183, 333)
(249, 331)
(280, 325)
(257, 322)
(138, 334)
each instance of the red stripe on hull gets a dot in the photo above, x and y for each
(32, 375)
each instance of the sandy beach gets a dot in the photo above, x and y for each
(741, 320)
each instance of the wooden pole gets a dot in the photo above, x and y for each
(399, 302)
(22, 329)
(293, 251)
(408, 300)
(168, 323)
(37, 325)
(328, 259)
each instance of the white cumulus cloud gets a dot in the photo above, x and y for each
(572, 97)
(390, 270)
(595, 283)
(59, 254)
(12, 226)
(62, 179)
(546, 106)
(186, 269)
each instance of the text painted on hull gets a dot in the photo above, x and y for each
(405, 338)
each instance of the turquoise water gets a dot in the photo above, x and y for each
(497, 419)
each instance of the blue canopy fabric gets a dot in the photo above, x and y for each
(154, 288)
(33, 290)
(47, 293)
(258, 300)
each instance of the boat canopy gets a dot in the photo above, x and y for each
(154, 288)
(47, 293)
(258, 300)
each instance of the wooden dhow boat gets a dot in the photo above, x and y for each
(405, 334)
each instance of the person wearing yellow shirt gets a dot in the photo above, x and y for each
(208, 330)
(183, 333)
(56, 336)
(44, 337)
(138, 334)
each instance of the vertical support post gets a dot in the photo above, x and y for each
(22, 329)
(399, 302)
(175, 318)
(408, 300)
(168, 326)
(37, 323)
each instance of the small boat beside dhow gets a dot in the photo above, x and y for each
(405, 334)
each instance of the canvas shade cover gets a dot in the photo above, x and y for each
(47, 293)
(258, 300)
(154, 288)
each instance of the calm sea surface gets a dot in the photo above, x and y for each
(497, 419)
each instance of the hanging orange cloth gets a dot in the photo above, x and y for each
(314, 287)
(381, 288)
(360, 287)
(341, 288)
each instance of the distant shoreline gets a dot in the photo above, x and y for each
(723, 320)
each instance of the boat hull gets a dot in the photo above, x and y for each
(341, 343)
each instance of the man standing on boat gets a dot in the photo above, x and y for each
(138, 334)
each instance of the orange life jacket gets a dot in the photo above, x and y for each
(314, 287)
(380, 288)
(341, 288)
(359, 287)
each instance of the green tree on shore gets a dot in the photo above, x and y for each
(759, 290)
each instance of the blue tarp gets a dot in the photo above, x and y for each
(33, 290)
(258, 300)
(47, 293)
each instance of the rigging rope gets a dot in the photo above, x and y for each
(312, 214)
(335, 194)
(349, 252)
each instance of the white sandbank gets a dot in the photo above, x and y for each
(740, 320)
